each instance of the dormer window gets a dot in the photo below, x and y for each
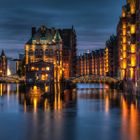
(43, 41)
(34, 41)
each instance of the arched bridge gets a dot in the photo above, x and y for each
(11, 79)
(93, 79)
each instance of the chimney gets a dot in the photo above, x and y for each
(33, 31)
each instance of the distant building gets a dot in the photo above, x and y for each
(91, 63)
(20, 65)
(99, 65)
(3, 64)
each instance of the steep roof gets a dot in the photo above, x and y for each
(2, 53)
(57, 37)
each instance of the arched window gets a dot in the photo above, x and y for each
(30, 52)
(41, 52)
(51, 52)
(36, 51)
(47, 52)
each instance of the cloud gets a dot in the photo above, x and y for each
(94, 21)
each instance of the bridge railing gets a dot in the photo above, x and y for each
(93, 78)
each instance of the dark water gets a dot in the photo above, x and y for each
(92, 112)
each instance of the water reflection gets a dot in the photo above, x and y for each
(129, 107)
(84, 112)
(130, 118)
(57, 101)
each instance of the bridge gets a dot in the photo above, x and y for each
(78, 79)
(93, 79)
(11, 79)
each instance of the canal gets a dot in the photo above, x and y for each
(90, 112)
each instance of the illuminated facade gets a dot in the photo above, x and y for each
(102, 62)
(3, 64)
(40, 71)
(54, 46)
(43, 55)
(138, 42)
(121, 57)
(91, 63)
(126, 32)
(99, 66)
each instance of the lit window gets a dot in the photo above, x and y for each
(32, 68)
(124, 47)
(133, 60)
(46, 88)
(133, 29)
(48, 68)
(133, 48)
(34, 41)
(132, 8)
(131, 70)
(42, 77)
(124, 39)
(124, 32)
(123, 14)
(124, 25)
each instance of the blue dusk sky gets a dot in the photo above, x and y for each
(93, 20)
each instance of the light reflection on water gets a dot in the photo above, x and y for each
(91, 111)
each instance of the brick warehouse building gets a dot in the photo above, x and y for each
(91, 63)
(127, 43)
(69, 51)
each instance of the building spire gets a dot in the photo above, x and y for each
(2, 53)
(57, 37)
